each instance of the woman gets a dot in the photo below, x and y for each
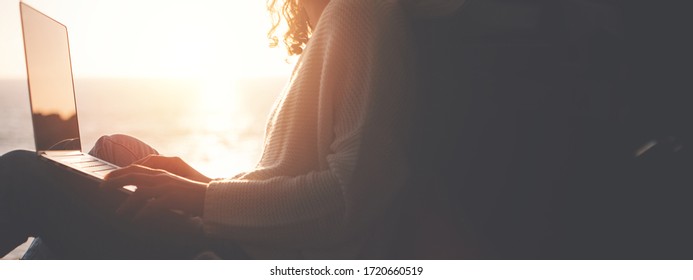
(325, 187)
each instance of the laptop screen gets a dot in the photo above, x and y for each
(51, 91)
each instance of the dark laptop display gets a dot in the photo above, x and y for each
(52, 96)
(49, 71)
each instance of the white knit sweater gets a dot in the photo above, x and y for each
(333, 160)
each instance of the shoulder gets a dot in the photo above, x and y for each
(352, 32)
(410, 8)
(361, 18)
(360, 10)
(365, 6)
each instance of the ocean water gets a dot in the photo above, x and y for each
(217, 126)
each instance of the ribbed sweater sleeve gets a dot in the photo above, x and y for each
(333, 155)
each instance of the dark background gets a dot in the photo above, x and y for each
(532, 118)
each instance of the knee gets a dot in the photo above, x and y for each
(120, 139)
(121, 149)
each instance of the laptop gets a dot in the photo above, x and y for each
(52, 96)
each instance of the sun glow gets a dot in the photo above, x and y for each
(154, 38)
(219, 101)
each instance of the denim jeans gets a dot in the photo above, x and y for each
(74, 218)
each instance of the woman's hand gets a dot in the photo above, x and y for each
(173, 165)
(158, 191)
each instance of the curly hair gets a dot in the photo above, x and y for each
(295, 16)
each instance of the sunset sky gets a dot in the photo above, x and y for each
(207, 39)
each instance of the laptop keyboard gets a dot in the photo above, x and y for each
(87, 164)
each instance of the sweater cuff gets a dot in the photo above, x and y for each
(213, 215)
